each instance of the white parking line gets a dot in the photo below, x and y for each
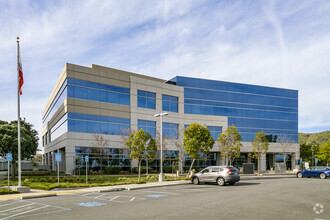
(88, 194)
(99, 196)
(10, 203)
(198, 190)
(132, 199)
(114, 198)
(25, 212)
(158, 192)
(15, 208)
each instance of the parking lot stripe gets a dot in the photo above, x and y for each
(132, 199)
(174, 194)
(87, 194)
(99, 196)
(10, 203)
(15, 208)
(114, 198)
(25, 212)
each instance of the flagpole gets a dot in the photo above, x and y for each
(18, 116)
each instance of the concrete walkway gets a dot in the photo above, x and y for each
(61, 191)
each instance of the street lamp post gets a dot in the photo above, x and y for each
(161, 175)
(312, 155)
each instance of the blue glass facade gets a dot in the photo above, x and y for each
(97, 124)
(79, 89)
(149, 126)
(215, 131)
(170, 103)
(170, 130)
(76, 122)
(250, 108)
(146, 99)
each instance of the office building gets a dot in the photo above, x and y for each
(96, 100)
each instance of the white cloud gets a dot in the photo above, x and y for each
(281, 44)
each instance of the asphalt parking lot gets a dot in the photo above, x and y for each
(256, 199)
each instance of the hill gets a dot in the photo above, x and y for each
(317, 138)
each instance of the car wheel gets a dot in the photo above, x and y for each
(232, 183)
(299, 175)
(196, 181)
(323, 176)
(221, 181)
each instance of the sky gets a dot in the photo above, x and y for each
(282, 44)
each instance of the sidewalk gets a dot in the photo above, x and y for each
(60, 191)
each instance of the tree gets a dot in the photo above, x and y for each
(9, 140)
(259, 147)
(142, 146)
(285, 143)
(164, 143)
(197, 139)
(324, 152)
(179, 144)
(98, 146)
(231, 144)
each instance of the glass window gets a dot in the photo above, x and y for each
(149, 126)
(170, 130)
(215, 131)
(97, 124)
(146, 99)
(246, 106)
(80, 89)
(57, 102)
(170, 103)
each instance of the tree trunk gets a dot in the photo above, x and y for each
(191, 167)
(139, 170)
(259, 164)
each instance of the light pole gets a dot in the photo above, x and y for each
(312, 154)
(161, 175)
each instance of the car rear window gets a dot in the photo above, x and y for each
(234, 169)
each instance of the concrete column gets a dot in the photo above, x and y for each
(293, 161)
(52, 154)
(69, 160)
(263, 163)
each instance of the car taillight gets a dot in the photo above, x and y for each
(229, 170)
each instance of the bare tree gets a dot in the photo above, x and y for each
(165, 140)
(285, 143)
(98, 145)
(179, 145)
(126, 151)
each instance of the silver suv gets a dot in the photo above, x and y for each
(217, 174)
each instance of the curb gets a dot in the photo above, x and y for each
(266, 177)
(112, 190)
(38, 196)
(155, 186)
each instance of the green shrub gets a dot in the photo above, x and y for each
(112, 170)
(39, 173)
(143, 170)
(5, 191)
(43, 180)
(167, 169)
(153, 178)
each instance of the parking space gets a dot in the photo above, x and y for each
(10, 209)
(248, 200)
(36, 208)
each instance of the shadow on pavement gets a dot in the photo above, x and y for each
(246, 184)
